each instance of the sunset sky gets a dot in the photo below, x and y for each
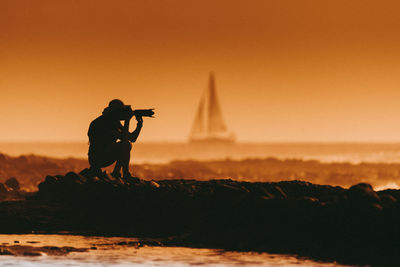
(285, 70)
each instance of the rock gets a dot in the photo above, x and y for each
(278, 192)
(50, 179)
(13, 184)
(151, 243)
(54, 248)
(32, 254)
(134, 243)
(376, 207)
(287, 216)
(363, 192)
(86, 173)
(4, 251)
(73, 178)
(388, 199)
(48, 186)
(154, 184)
(311, 199)
(133, 180)
(3, 189)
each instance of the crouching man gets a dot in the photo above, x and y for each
(110, 141)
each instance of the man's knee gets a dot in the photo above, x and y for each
(126, 146)
(129, 146)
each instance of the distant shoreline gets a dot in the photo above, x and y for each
(30, 170)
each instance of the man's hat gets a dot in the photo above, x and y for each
(115, 105)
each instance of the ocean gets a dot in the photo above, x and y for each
(163, 152)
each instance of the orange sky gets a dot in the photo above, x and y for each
(285, 70)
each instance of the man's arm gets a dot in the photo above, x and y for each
(134, 135)
(118, 131)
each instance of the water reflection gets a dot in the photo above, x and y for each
(114, 251)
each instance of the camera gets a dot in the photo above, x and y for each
(143, 112)
(128, 113)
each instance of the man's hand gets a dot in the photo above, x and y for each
(139, 119)
(129, 113)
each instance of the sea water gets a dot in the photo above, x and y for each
(109, 253)
(165, 152)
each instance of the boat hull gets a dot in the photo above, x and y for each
(212, 140)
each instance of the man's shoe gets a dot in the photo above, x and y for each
(131, 179)
(92, 172)
(127, 175)
(116, 175)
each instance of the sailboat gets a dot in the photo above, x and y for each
(208, 125)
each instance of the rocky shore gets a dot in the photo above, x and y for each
(30, 170)
(354, 226)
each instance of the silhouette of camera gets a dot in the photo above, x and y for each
(127, 113)
(143, 112)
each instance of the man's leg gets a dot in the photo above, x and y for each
(100, 158)
(126, 157)
(123, 158)
(94, 169)
(116, 173)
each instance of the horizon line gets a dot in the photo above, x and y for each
(237, 142)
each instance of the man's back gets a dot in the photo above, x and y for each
(104, 131)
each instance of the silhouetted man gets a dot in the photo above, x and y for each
(110, 141)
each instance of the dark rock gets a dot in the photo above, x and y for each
(86, 173)
(133, 243)
(153, 183)
(3, 189)
(363, 192)
(4, 251)
(152, 243)
(48, 186)
(355, 225)
(52, 248)
(73, 178)
(311, 199)
(278, 192)
(50, 179)
(13, 183)
(31, 254)
(388, 199)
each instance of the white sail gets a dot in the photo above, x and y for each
(208, 124)
(215, 122)
(198, 128)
